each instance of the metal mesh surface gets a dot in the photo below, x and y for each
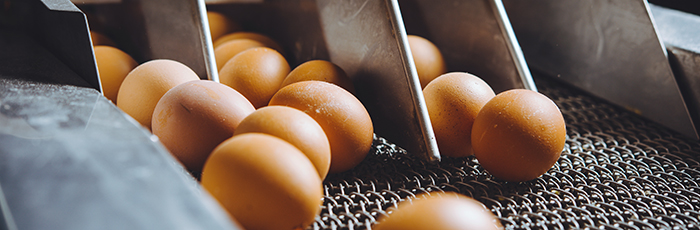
(617, 171)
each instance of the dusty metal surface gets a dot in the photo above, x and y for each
(608, 48)
(474, 37)
(70, 159)
(617, 171)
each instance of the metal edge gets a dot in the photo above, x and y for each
(432, 152)
(513, 45)
(207, 44)
(5, 212)
(655, 26)
(695, 134)
(68, 7)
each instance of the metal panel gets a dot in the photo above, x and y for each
(368, 40)
(70, 159)
(680, 32)
(60, 31)
(155, 29)
(474, 36)
(609, 48)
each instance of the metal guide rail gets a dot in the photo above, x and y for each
(617, 171)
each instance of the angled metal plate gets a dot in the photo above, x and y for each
(154, 29)
(680, 32)
(474, 36)
(368, 40)
(609, 48)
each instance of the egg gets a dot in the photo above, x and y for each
(146, 84)
(264, 182)
(427, 58)
(219, 25)
(226, 51)
(453, 101)
(295, 127)
(518, 135)
(269, 42)
(343, 118)
(444, 211)
(320, 70)
(99, 39)
(193, 118)
(113, 65)
(256, 73)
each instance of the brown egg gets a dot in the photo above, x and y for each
(343, 118)
(256, 73)
(145, 84)
(113, 65)
(320, 70)
(99, 39)
(295, 127)
(264, 182)
(427, 58)
(518, 135)
(446, 211)
(219, 25)
(226, 51)
(194, 117)
(252, 36)
(453, 101)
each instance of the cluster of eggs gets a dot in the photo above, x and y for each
(516, 136)
(265, 137)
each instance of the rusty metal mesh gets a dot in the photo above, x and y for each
(617, 171)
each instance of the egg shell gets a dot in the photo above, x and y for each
(343, 118)
(220, 25)
(113, 65)
(295, 127)
(269, 42)
(226, 51)
(194, 117)
(446, 211)
(320, 70)
(264, 182)
(518, 135)
(146, 84)
(453, 101)
(256, 73)
(428, 59)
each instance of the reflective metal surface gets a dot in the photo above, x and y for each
(680, 32)
(608, 48)
(155, 29)
(474, 36)
(70, 159)
(7, 222)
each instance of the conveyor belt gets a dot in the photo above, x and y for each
(617, 171)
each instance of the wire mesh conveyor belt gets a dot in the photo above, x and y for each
(617, 171)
